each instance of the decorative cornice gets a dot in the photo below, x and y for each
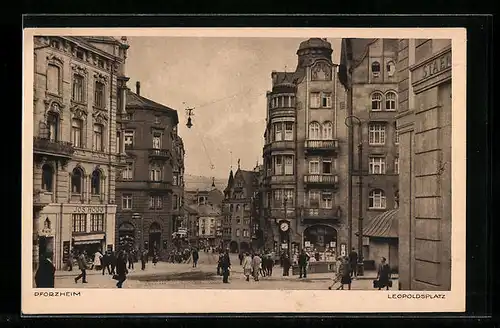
(100, 117)
(54, 58)
(79, 69)
(79, 112)
(100, 77)
(53, 104)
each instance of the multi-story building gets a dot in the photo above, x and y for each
(424, 127)
(149, 190)
(78, 91)
(373, 100)
(237, 210)
(209, 226)
(305, 155)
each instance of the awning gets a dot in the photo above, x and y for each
(384, 225)
(88, 239)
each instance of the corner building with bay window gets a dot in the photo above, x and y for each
(78, 89)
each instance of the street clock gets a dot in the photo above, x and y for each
(284, 226)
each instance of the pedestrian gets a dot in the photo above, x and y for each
(337, 276)
(303, 260)
(241, 257)
(353, 260)
(121, 269)
(256, 266)
(247, 266)
(130, 259)
(69, 263)
(104, 262)
(196, 256)
(286, 265)
(144, 259)
(97, 261)
(219, 264)
(383, 274)
(82, 265)
(44, 276)
(226, 266)
(112, 261)
(155, 258)
(345, 274)
(270, 264)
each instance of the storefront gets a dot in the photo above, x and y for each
(320, 241)
(126, 235)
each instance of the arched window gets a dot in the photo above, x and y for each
(376, 101)
(47, 177)
(231, 208)
(77, 180)
(98, 137)
(390, 100)
(377, 199)
(327, 130)
(76, 132)
(95, 183)
(376, 68)
(238, 208)
(53, 126)
(314, 131)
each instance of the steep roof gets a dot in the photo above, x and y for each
(190, 209)
(315, 43)
(384, 225)
(136, 101)
(352, 53)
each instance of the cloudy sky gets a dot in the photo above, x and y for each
(225, 80)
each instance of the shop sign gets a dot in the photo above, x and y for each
(343, 251)
(89, 209)
(432, 67)
(308, 244)
(284, 246)
(333, 244)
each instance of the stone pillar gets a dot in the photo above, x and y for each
(36, 220)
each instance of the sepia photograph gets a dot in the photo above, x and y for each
(191, 164)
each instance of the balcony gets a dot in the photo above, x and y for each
(41, 199)
(322, 179)
(49, 147)
(282, 179)
(159, 185)
(321, 214)
(159, 153)
(282, 112)
(316, 146)
(279, 145)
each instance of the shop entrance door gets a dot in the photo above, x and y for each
(154, 238)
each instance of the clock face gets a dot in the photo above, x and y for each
(284, 226)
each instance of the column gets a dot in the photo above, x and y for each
(36, 218)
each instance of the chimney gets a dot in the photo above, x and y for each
(138, 88)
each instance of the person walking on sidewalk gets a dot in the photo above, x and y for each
(44, 277)
(82, 265)
(345, 274)
(256, 266)
(130, 260)
(241, 256)
(121, 269)
(303, 260)
(196, 256)
(144, 259)
(247, 266)
(97, 261)
(383, 274)
(226, 266)
(69, 263)
(353, 261)
(286, 265)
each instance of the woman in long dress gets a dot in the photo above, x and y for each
(247, 266)
(97, 261)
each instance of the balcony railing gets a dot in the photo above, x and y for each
(320, 214)
(321, 145)
(41, 199)
(52, 147)
(321, 179)
(279, 145)
(282, 179)
(159, 185)
(159, 153)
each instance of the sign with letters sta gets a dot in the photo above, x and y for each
(432, 68)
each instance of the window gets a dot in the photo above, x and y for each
(175, 179)
(246, 221)
(326, 200)
(277, 132)
(326, 100)
(155, 202)
(288, 131)
(231, 207)
(53, 79)
(78, 91)
(391, 68)
(53, 125)
(377, 199)
(118, 142)
(376, 68)
(396, 165)
(155, 173)
(129, 138)
(96, 183)
(327, 131)
(376, 101)
(157, 120)
(245, 233)
(314, 131)
(390, 100)
(314, 199)
(47, 177)
(98, 134)
(377, 165)
(96, 222)
(79, 222)
(278, 165)
(156, 140)
(76, 181)
(377, 134)
(327, 166)
(237, 232)
(126, 201)
(175, 201)
(314, 166)
(128, 172)
(238, 208)
(288, 194)
(315, 100)
(238, 220)
(76, 132)
(288, 165)
(99, 95)
(277, 198)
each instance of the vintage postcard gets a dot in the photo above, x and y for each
(243, 170)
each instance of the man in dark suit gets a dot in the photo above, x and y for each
(225, 266)
(44, 277)
(353, 263)
(303, 260)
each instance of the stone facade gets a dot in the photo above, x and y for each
(76, 94)
(424, 125)
(150, 188)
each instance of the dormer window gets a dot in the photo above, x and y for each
(376, 68)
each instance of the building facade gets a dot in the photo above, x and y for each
(209, 226)
(372, 92)
(305, 155)
(237, 207)
(149, 190)
(424, 127)
(78, 90)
